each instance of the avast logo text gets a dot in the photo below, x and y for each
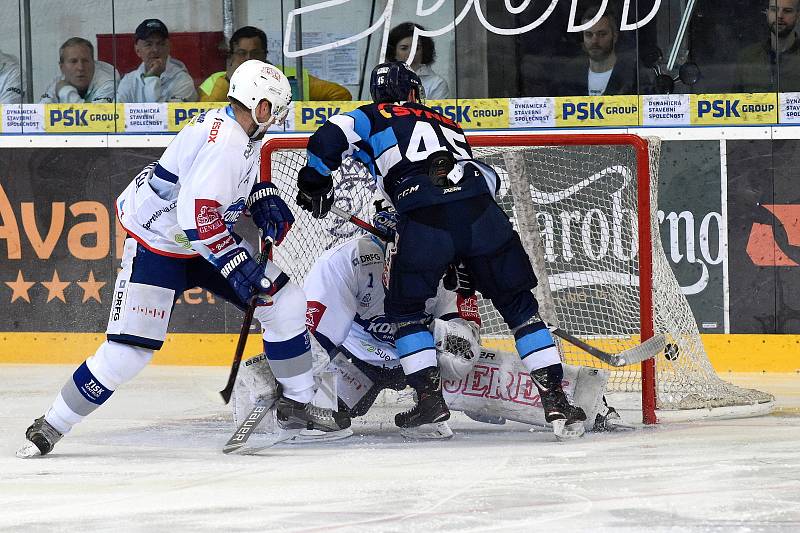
(776, 244)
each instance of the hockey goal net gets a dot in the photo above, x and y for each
(584, 206)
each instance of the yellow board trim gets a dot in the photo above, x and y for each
(728, 353)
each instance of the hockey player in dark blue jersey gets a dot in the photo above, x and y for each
(447, 215)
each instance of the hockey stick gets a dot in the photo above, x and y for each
(245, 331)
(363, 224)
(648, 349)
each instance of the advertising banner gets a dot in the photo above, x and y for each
(179, 114)
(308, 116)
(24, 118)
(60, 244)
(532, 113)
(583, 111)
(666, 110)
(764, 219)
(692, 228)
(734, 109)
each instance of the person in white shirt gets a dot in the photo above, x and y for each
(160, 78)
(179, 214)
(399, 49)
(82, 78)
(10, 80)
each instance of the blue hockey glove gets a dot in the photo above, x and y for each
(244, 275)
(316, 192)
(270, 213)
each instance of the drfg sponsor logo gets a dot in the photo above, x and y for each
(594, 110)
(119, 295)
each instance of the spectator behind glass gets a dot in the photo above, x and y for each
(399, 48)
(82, 78)
(606, 72)
(773, 64)
(10, 80)
(160, 78)
(251, 43)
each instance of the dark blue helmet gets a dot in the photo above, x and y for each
(393, 81)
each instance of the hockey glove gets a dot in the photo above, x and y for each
(244, 275)
(458, 280)
(270, 213)
(316, 192)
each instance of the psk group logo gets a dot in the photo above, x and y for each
(585, 111)
(474, 114)
(180, 114)
(311, 115)
(775, 236)
(81, 118)
(725, 109)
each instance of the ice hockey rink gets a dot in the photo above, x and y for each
(150, 460)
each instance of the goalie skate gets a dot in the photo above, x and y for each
(296, 415)
(41, 438)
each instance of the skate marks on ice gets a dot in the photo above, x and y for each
(151, 460)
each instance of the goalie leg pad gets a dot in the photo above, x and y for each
(500, 386)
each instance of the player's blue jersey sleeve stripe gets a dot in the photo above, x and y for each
(416, 342)
(533, 342)
(165, 174)
(361, 124)
(192, 234)
(317, 164)
(382, 141)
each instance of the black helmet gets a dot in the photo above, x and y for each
(393, 81)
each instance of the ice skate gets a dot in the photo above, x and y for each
(307, 416)
(41, 438)
(431, 407)
(567, 419)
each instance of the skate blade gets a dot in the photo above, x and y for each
(266, 441)
(438, 430)
(308, 436)
(28, 450)
(564, 431)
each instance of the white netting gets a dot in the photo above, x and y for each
(575, 207)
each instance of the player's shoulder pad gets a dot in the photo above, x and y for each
(368, 252)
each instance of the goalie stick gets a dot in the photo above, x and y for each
(646, 350)
(245, 429)
(245, 331)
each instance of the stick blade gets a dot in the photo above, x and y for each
(647, 350)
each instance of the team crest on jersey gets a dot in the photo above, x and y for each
(314, 312)
(209, 223)
(366, 300)
(468, 308)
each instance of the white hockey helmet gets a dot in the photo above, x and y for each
(256, 80)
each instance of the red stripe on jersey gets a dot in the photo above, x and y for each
(314, 312)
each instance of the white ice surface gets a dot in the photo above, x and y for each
(150, 460)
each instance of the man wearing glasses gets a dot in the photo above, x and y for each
(249, 42)
(160, 78)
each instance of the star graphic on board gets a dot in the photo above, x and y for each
(91, 288)
(20, 288)
(55, 287)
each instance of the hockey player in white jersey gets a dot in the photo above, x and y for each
(346, 316)
(179, 213)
